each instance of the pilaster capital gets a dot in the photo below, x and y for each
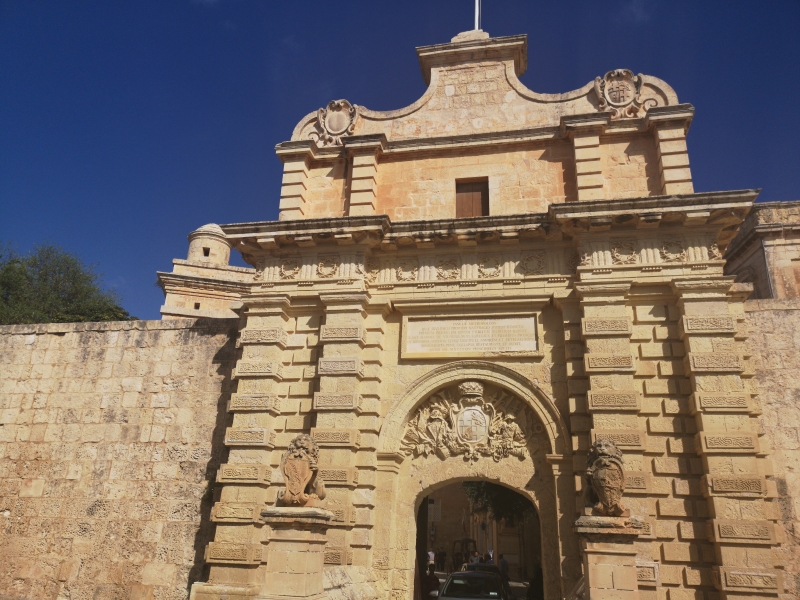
(296, 151)
(603, 292)
(365, 144)
(390, 461)
(701, 289)
(588, 124)
(349, 302)
(267, 305)
(672, 115)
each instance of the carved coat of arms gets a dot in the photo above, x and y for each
(471, 425)
(334, 122)
(620, 93)
(299, 468)
(605, 477)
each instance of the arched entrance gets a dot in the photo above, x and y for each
(433, 436)
(502, 526)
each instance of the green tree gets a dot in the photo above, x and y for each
(50, 285)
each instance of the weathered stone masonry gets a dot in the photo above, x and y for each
(599, 304)
(110, 436)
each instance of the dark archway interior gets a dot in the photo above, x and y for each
(453, 527)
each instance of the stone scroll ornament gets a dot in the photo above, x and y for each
(472, 426)
(299, 468)
(335, 121)
(605, 477)
(619, 92)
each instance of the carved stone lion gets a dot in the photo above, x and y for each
(299, 468)
(605, 477)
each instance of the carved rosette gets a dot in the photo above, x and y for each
(605, 477)
(619, 92)
(299, 468)
(471, 423)
(533, 263)
(335, 121)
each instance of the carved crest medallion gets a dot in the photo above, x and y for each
(606, 478)
(473, 424)
(619, 92)
(334, 122)
(299, 469)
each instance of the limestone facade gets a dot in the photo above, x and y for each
(591, 307)
(766, 252)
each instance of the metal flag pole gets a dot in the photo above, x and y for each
(477, 14)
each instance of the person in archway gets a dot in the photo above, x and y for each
(476, 558)
(430, 583)
(503, 565)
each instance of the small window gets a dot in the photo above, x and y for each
(472, 198)
(206, 251)
(197, 306)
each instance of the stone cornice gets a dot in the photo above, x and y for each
(212, 266)
(723, 211)
(765, 219)
(220, 287)
(569, 124)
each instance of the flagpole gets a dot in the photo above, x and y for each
(477, 14)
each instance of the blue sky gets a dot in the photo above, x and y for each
(125, 125)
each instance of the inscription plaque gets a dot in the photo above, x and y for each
(469, 337)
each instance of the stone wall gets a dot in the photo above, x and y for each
(109, 436)
(523, 180)
(775, 342)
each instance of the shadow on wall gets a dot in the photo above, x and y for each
(222, 363)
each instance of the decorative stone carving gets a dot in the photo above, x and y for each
(623, 252)
(335, 121)
(290, 268)
(372, 269)
(299, 468)
(533, 263)
(714, 253)
(619, 92)
(490, 266)
(605, 476)
(475, 425)
(672, 250)
(448, 268)
(407, 269)
(328, 266)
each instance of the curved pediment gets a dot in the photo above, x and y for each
(474, 88)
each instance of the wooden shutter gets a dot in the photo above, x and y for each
(472, 199)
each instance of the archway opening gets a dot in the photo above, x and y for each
(470, 521)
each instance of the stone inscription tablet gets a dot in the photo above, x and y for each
(469, 336)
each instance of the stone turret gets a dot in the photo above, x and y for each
(208, 244)
(204, 285)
